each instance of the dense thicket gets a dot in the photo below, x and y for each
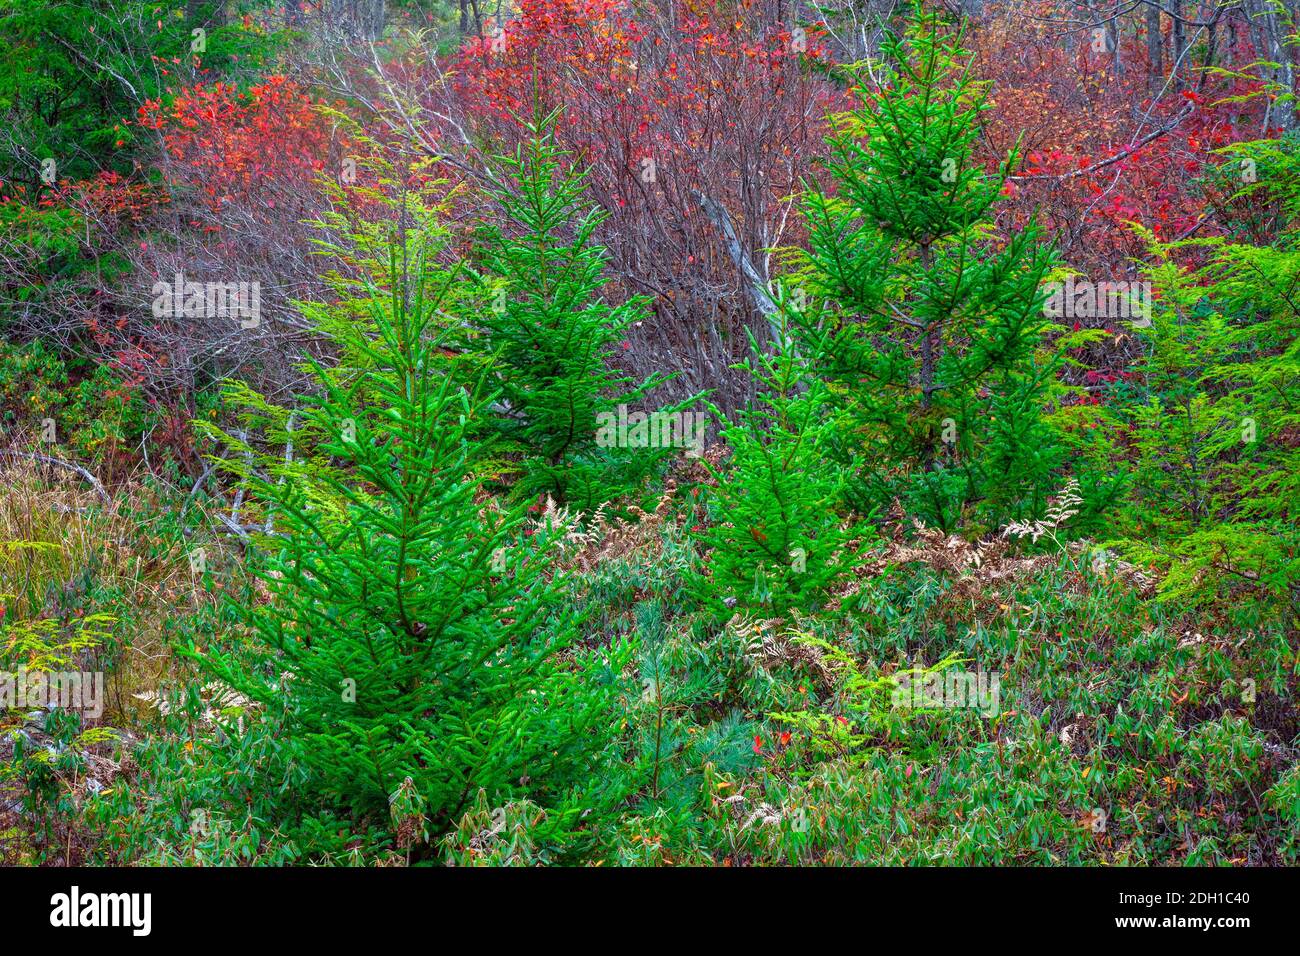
(718, 439)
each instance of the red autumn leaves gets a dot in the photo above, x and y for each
(252, 146)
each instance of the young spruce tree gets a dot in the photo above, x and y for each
(779, 539)
(1218, 472)
(932, 324)
(412, 636)
(555, 338)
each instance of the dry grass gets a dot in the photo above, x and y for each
(65, 551)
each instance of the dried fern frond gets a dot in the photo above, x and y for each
(1062, 510)
(583, 545)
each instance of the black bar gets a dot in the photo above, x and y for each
(382, 906)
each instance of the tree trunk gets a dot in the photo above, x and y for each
(1284, 74)
(1155, 47)
(1117, 63)
(1180, 42)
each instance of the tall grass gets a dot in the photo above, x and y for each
(65, 553)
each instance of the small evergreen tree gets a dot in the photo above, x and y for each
(553, 336)
(1218, 476)
(779, 540)
(933, 324)
(419, 647)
